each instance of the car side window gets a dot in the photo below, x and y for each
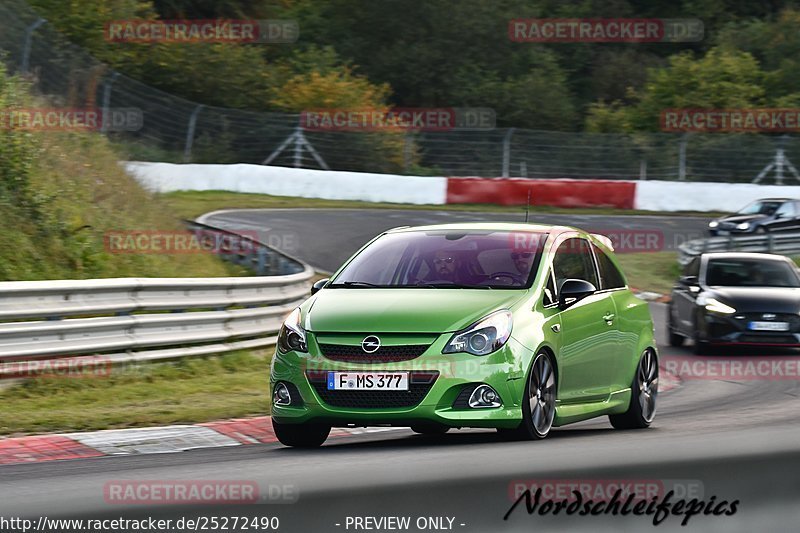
(550, 290)
(786, 210)
(573, 260)
(610, 276)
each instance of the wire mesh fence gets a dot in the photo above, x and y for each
(175, 129)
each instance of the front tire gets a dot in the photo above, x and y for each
(538, 402)
(644, 390)
(675, 339)
(301, 435)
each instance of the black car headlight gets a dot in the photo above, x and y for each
(483, 337)
(292, 336)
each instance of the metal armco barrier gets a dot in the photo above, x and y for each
(774, 243)
(148, 319)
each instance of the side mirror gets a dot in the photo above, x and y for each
(573, 290)
(318, 285)
(689, 281)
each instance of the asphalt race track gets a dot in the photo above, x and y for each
(298, 231)
(731, 440)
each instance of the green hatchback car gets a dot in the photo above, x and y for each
(518, 327)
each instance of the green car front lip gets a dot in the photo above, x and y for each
(500, 370)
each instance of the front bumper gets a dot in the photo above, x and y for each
(504, 370)
(734, 329)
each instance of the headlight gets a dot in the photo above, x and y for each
(743, 226)
(483, 337)
(713, 224)
(715, 306)
(292, 336)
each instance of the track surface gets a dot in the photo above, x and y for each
(325, 238)
(737, 440)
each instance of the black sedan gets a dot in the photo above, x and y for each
(762, 216)
(736, 298)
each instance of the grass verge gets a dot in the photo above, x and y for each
(185, 391)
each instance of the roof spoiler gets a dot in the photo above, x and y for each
(604, 239)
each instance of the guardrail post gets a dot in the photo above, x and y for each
(261, 261)
(770, 242)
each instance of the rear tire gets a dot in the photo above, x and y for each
(538, 401)
(644, 390)
(301, 435)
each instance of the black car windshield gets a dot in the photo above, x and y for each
(446, 259)
(751, 273)
(760, 208)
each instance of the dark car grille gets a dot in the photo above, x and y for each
(385, 354)
(419, 385)
(792, 319)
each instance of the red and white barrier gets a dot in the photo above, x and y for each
(369, 187)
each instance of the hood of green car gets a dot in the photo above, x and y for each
(403, 310)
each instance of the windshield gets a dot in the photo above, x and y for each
(760, 208)
(750, 273)
(446, 259)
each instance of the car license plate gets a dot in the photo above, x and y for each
(367, 380)
(723, 232)
(769, 326)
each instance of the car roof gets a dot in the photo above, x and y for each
(745, 255)
(491, 226)
(775, 199)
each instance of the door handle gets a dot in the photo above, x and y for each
(609, 318)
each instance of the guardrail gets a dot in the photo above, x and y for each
(146, 319)
(775, 243)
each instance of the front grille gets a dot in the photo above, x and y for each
(385, 354)
(419, 385)
(792, 319)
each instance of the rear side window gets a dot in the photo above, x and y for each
(610, 276)
(573, 260)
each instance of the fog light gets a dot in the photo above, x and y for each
(483, 397)
(281, 395)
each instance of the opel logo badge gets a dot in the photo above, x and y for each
(371, 344)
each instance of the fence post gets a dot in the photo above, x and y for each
(682, 159)
(507, 152)
(26, 50)
(107, 100)
(643, 170)
(407, 144)
(187, 150)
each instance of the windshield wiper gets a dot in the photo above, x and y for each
(363, 284)
(447, 286)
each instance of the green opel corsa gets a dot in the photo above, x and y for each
(518, 327)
